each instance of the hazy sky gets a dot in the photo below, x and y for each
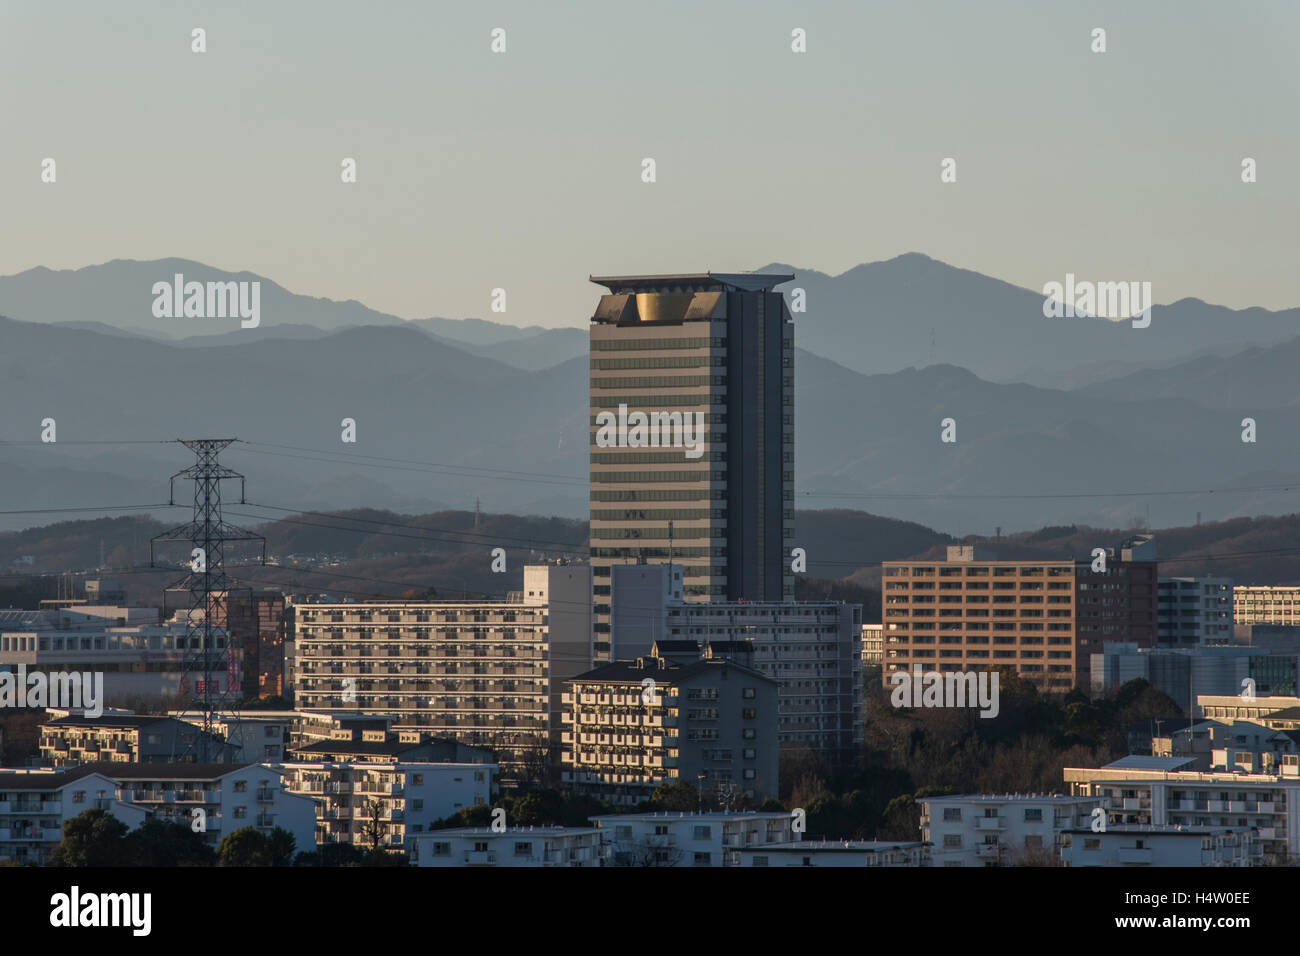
(522, 170)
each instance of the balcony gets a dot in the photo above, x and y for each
(1131, 856)
(990, 823)
(988, 851)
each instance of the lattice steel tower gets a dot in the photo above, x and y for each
(210, 678)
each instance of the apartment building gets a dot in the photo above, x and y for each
(1158, 791)
(1001, 829)
(1188, 673)
(1044, 618)
(258, 736)
(1259, 707)
(1236, 746)
(70, 741)
(221, 798)
(513, 846)
(479, 672)
(631, 726)
(810, 648)
(1134, 845)
(1194, 612)
(1261, 604)
(256, 620)
(873, 645)
(385, 805)
(34, 805)
(838, 853)
(668, 352)
(142, 660)
(690, 839)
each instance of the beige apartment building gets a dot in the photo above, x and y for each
(1257, 604)
(1044, 618)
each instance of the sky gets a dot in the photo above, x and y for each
(522, 170)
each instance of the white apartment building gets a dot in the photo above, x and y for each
(838, 853)
(1138, 845)
(225, 797)
(485, 673)
(34, 805)
(385, 805)
(1001, 829)
(259, 736)
(1194, 612)
(1146, 791)
(690, 839)
(513, 846)
(1262, 604)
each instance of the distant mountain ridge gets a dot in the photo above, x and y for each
(878, 317)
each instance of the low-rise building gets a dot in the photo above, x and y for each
(1160, 791)
(34, 805)
(838, 853)
(384, 805)
(1001, 829)
(72, 740)
(1149, 845)
(690, 839)
(513, 846)
(221, 798)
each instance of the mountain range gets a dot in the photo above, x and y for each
(450, 410)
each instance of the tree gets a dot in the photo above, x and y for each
(243, 847)
(164, 843)
(373, 829)
(678, 795)
(94, 838)
(280, 847)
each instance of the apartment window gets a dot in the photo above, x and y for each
(442, 849)
(480, 846)
(749, 713)
(523, 849)
(748, 693)
(760, 861)
(952, 814)
(749, 773)
(622, 833)
(417, 780)
(952, 840)
(79, 796)
(703, 833)
(702, 859)
(241, 786)
(241, 813)
(661, 829)
(1090, 843)
(748, 733)
(1034, 815)
(417, 805)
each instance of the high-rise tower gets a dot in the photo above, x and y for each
(692, 435)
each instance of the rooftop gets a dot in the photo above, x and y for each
(709, 281)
